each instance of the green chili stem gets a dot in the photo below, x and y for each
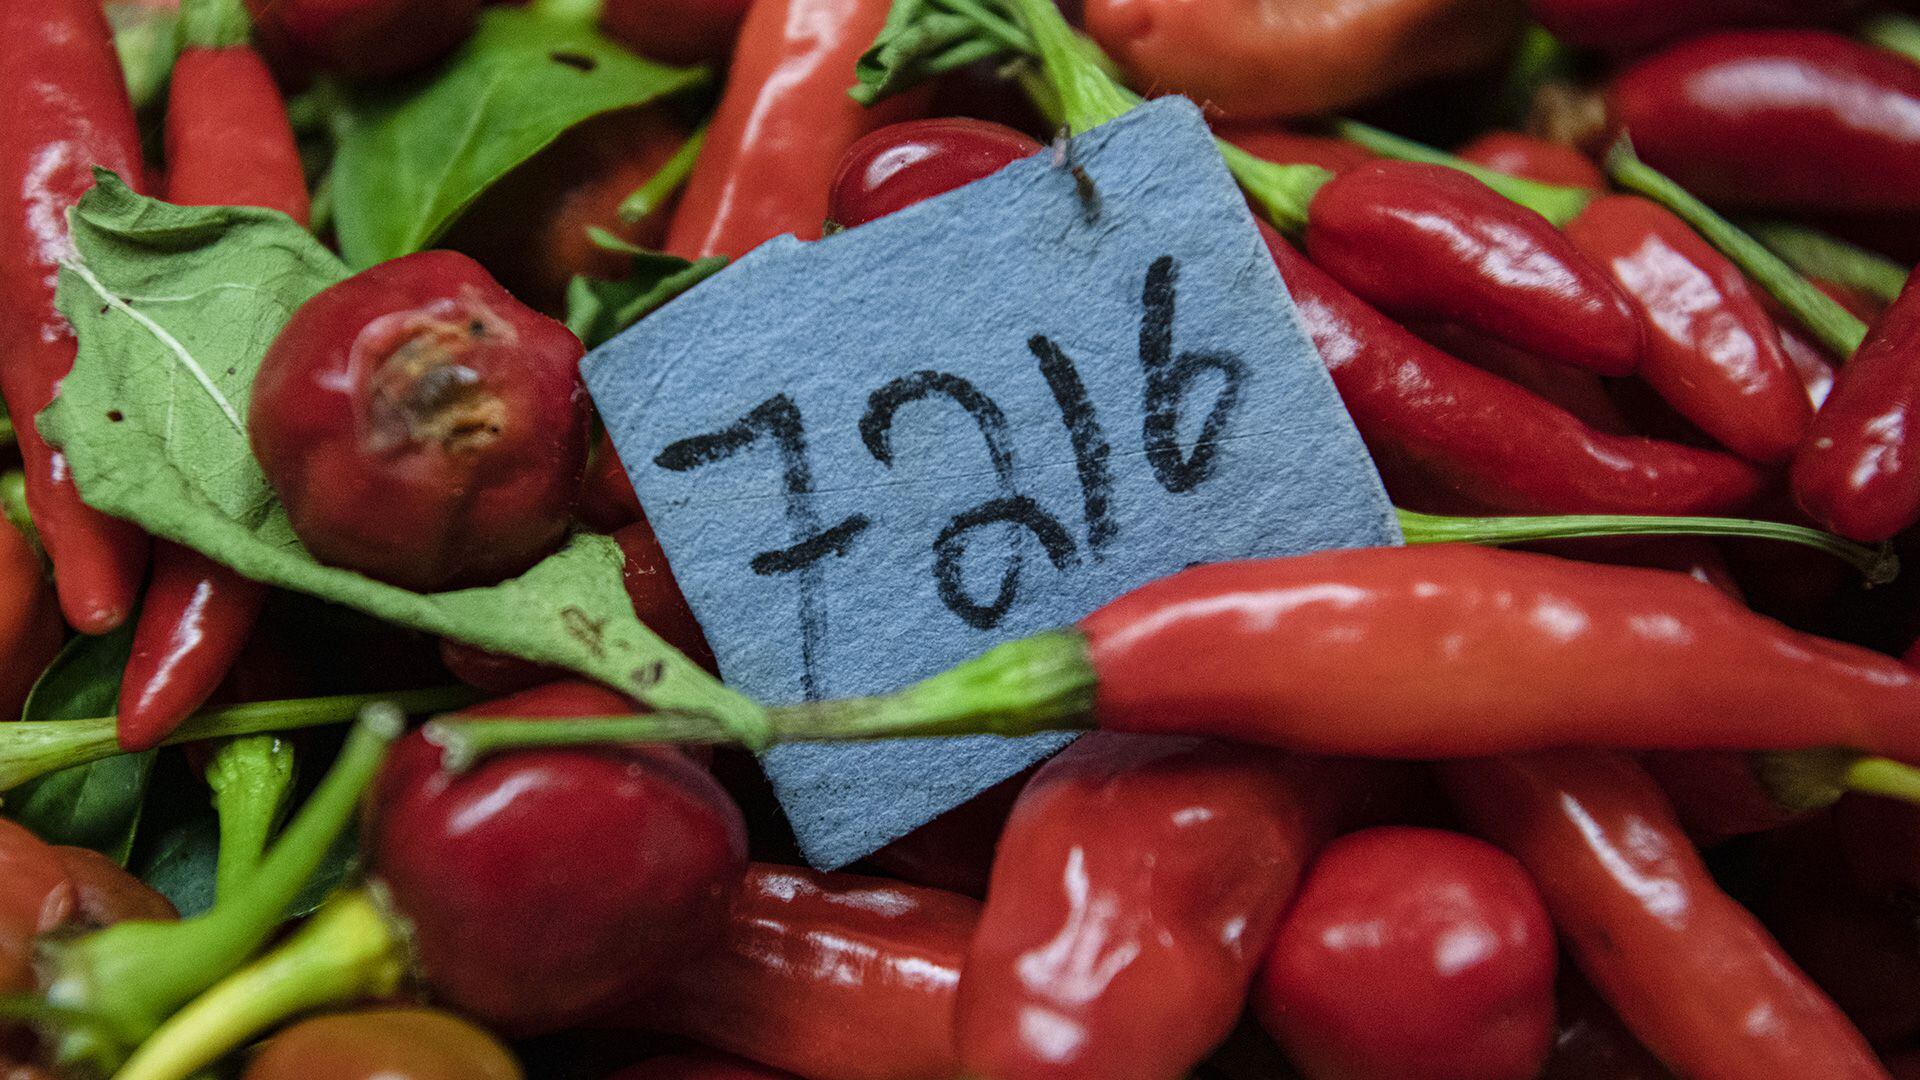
(136, 974)
(1088, 94)
(1884, 777)
(1895, 33)
(1554, 202)
(1831, 325)
(213, 24)
(347, 953)
(1818, 255)
(670, 177)
(1879, 565)
(32, 749)
(251, 778)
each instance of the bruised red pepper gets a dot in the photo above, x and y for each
(67, 112)
(1690, 971)
(363, 38)
(781, 128)
(1412, 952)
(901, 164)
(1780, 119)
(829, 976)
(422, 426)
(1632, 25)
(539, 889)
(1531, 158)
(1133, 893)
(1858, 472)
(395, 1043)
(1713, 352)
(1484, 437)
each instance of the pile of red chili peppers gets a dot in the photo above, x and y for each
(1627, 808)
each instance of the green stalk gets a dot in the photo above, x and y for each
(132, 976)
(213, 24)
(347, 953)
(1805, 780)
(1895, 33)
(1831, 325)
(32, 749)
(1878, 565)
(585, 12)
(251, 778)
(147, 41)
(1828, 258)
(668, 179)
(1554, 202)
(13, 504)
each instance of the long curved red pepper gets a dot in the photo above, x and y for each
(781, 128)
(1133, 894)
(67, 112)
(1858, 472)
(1713, 352)
(1482, 436)
(228, 144)
(830, 976)
(1784, 119)
(1447, 651)
(1691, 972)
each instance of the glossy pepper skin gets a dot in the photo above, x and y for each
(31, 631)
(363, 38)
(1133, 893)
(383, 1044)
(422, 426)
(1481, 436)
(1779, 119)
(781, 128)
(1690, 971)
(1449, 651)
(700, 1066)
(1713, 352)
(542, 888)
(105, 894)
(36, 896)
(676, 31)
(1858, 472)
(901, 164)
(1255, 61)
(829, 976)
(1412, 954)
(1531, 158)
(1633, 25)
(67, 109)
(1502, 269)
(1579, 392)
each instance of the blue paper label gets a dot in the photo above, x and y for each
(875, 455)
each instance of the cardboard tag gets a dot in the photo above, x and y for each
(875, 455)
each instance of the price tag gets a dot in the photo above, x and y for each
(875, 455)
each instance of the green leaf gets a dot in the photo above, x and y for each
(414, 154)
(174, 307)
(97, 805)
(598, 309)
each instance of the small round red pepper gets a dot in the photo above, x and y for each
(422, 426)
(1690, 971)
(394, 1043)
(1782, 119)
(1524, 156)
(830, 976)
(901, 164)
(364, 38)
(1412, 953)
(676, 31)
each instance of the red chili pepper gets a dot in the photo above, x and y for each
(1592, 1043)
(36, 896)
(1691, 972)
(1713, 352)
(67, 111)
(700, 1066)
(1484, 437)
(31, 632)
(105, 894)
(656, 596)
(1716, 794)
(1412, 952)
(1858, 472)
(830, 976)
(676, 31)
(1524, 156)
(782, 127)
(1133, 894)
(1488, 263)
(607, 499)
(1274, 142)
(422, 426)
(397, 1043)
(1452, 651)
(898, 165)
(1632, 25)
(364, 38)
(1578, 391)
(541, 888)
(1784, 119)
(228, 144)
